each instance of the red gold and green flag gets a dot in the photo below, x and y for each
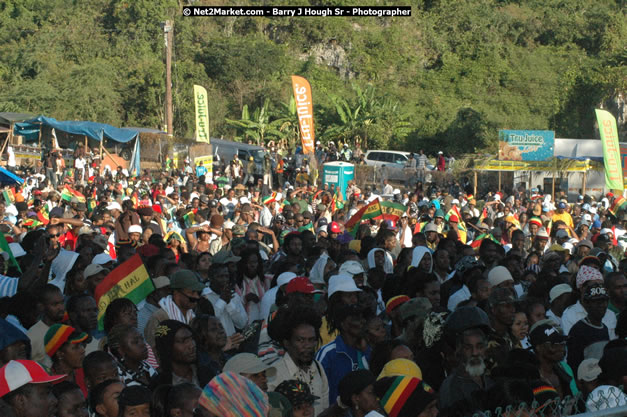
(392, 211)
(369, 211)
(129, 280)
(461, 225)
(620, 203)
(68, 192)
(44, 214)
(188, 219)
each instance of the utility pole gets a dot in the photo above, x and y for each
(168, 36)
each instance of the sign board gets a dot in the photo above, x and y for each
(623, 158)
(207, 163)
(526, 145)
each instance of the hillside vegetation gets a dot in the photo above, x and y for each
(448, 77)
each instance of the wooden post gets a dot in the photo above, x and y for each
(101, 164)
(499, 181)
(553, 187)
(39, 139)
(583, 183)
(85, 144)
(474, 193)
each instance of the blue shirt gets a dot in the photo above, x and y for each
(338, 359)
(201, 170)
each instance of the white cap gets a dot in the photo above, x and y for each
(497, 197)
(587, 217)
(569, 246)
(284, 278)
(558, 290)
(499, 275)
(228, 225)
(17, 249)
(605, 231)
(455, 201)
(135, 228)
(244, 200)
(92, 270)
(440, 153)
(101, 259)
(593, 210)
(342, 283)
(114, 205)
(351, 268)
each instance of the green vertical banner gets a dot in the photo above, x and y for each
(202, 114)
(611, 150)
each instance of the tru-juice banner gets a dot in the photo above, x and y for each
(611, 150)
(304, 110)
(202, 114)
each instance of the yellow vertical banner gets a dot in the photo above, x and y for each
(611, 150)
(304, 110)
(202, 114)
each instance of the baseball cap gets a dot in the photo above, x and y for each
(342, 283)
(238, 230)
(546, 333)
(453, 219)
(595, 292)
(161, 282)
(542, 234)
(185, 278)
(335, 228)
(92, 269)
(285, 278)
(417, 307)
(296, 391)
(101, 259)
(561, 205)
(224, 257)
(59, 334)
(352, 268)
(561, 233)
(588, 370)
(301, 285)
(17, 373)
(248, 363)
(559, 289)
(431, 227)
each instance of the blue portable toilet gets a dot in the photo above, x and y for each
(339, 174)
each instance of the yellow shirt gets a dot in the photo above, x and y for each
(565, 217)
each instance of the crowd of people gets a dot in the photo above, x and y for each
(296, 300)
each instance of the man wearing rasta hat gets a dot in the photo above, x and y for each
(66, 347)
(406, 396)
(299, 396)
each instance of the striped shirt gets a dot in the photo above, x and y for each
(8, 286)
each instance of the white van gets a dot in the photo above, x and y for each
(394, 162)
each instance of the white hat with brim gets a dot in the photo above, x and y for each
(342, 283)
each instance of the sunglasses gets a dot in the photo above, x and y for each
(55, 235)
(191, 299)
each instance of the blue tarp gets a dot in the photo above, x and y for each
(93, 130)
(9, 178)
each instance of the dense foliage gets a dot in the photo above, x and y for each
(448, 77)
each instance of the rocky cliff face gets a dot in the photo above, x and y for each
(333, 55)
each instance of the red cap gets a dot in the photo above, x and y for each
(335, 228)
(608, 195)
(301, 285)
(17, 373)
(453, 219)
(157, 208)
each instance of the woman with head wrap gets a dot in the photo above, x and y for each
(421, 258)
(381, 259)
(232, 395)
